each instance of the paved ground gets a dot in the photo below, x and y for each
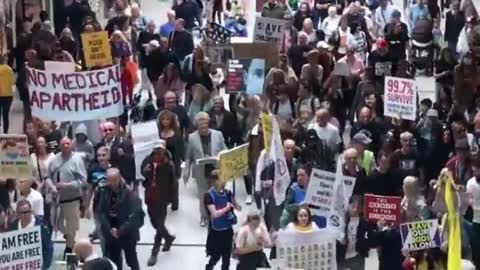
(188, 250)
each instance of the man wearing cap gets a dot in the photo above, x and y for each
(396, 33)
(460, 165)
(366, 158)
(160, 183)
(381, 60)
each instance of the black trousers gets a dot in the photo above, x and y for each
(5, 104)
(158, 215)
(114, 249)
(252, 260)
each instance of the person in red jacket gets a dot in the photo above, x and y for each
(129, 79)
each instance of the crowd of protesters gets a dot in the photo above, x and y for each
(87, 170)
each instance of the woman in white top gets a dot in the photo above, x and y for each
(330, 24)
(250, 241)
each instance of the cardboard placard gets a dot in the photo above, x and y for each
(385, 208)
(234, 162)
(21, 249)
(400, 98)
(420, 235)
(14, 156)
(269, 29)
(96, 48)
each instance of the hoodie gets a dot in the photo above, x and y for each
(85, 148)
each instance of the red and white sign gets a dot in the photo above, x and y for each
(400, 98)
(382, 208)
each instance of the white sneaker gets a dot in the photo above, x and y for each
(248, 201)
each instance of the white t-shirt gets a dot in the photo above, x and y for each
(473, 189)
(352, 237)
(36, 201)
(329, 134)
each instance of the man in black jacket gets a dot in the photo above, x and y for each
(160, 187)
(121, 217)
(454, 24)
(224, 121)
(189, 11)
(181, 40)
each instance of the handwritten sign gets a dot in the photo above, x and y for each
(420, 235)
(14, 156)
(400, 98)
(269, 29)
(21, 249)
(96, 49)
(382, 208)
(234, 162)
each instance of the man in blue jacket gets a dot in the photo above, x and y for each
(26, 219)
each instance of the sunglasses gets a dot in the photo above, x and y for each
(108, 129)
(24, 212)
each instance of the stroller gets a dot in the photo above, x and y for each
(142, 111)
(422, 45)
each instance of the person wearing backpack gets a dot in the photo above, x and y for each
(220, 204)
(121, 217)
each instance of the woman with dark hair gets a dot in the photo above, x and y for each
(196, 70)
(68, 42)
(295, 197)
(302, 221)
(169, 131)
(301, 14)
(170, 80)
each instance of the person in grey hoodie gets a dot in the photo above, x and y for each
(82, 144)
(68, 173)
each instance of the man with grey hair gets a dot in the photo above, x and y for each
(121, 216)
(203, 145)
(406, 161)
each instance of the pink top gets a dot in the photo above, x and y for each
(248, 238)
(356, 66)
(176, 86)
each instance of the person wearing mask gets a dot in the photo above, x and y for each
(396, 33)
(366, 158)
(89, 258)
(326, 131)
(330, 24)
(383, 16)
(274, 9)
(383, 180)
(295, 196)
(160, 185)
(121, 216)
(26, 192)
(454, 23)
(417, 11)
(28, 219)
(121, 151)
(250, 241)
(82, 145)
(220, 203)
(406, 159)
(189, 12)
(167, 28)
(203, 143)
(68, 173)
(180, 40)
(460, 164)
(224, 121)
(142, 44)
(7, 81)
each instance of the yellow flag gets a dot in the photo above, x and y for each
(454, 233)
(267, 130)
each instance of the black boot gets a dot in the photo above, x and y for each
(168, 244)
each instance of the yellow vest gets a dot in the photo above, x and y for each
(366, 162)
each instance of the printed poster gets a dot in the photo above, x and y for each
(269, 29)
(96, 48)
(245, 75)
(382, 208)
(234, 162)
(219, 55)
(21, 249)
(14, 156)
(144, 136)
(400, 98)
(309, 251)
(420, 235)
(75, 96)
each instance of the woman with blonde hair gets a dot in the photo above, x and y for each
(120, 46)
(169, 131)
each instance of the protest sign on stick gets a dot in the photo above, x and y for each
(96, 48)
(400, 98)
(420, 235)
(21, 249)
(385, 208)
(144, 136)
(269, 29)
(234, 162)
(14, 156)
(75, 96)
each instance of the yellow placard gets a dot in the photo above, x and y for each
(267, 130)
(234, 163)
(96, 49)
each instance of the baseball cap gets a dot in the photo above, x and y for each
(381, 43)
(361, 138)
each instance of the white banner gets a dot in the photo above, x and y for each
(269, 29)
(309, 251)
(400, 98)
(21, 249)
(75, 96)
(144, 136)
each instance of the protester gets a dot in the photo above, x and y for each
(91, 260)
(295, 196)
(180, 40)
(26, 192)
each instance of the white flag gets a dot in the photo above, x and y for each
(336, 219)
(281, 179)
